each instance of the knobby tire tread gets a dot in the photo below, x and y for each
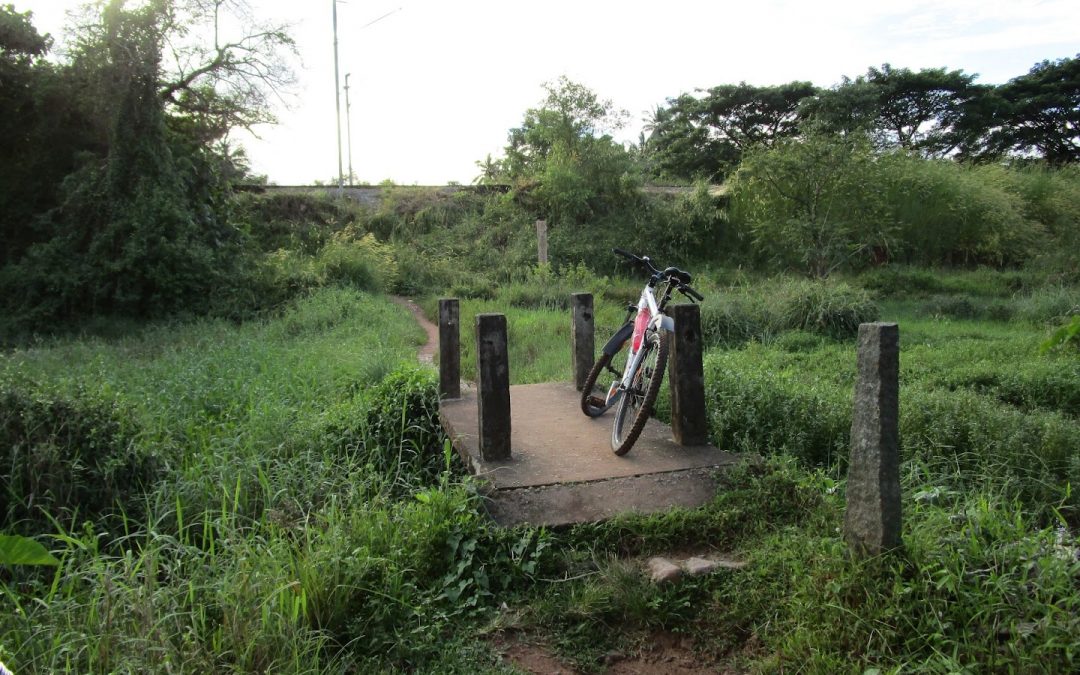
(590, 385)
(642, 415)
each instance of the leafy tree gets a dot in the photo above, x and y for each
(1039, 113)
(706, 137)
(570, 118)
(920, 111)
(563, 163)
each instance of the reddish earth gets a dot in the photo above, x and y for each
(426, 354)
(666, 654)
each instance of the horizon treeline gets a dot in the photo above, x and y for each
(118, 173)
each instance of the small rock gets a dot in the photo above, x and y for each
(612, 657)
(663, 570)
(730, 564)
(697, 567)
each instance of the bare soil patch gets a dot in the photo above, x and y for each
(426, 353)
(663, 654)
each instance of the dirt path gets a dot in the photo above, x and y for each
(426, 354)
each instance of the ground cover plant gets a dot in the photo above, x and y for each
(990, 440)
(300, 513)
(278, 497)
(217, 454)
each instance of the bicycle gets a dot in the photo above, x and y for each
(636, 355)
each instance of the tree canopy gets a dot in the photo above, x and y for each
(706, 137)
(116, 186)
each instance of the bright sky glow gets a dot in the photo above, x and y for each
(436, 85)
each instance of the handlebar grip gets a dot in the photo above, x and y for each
(626, 254)
(692, 293)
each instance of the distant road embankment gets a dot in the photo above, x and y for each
(370, 195)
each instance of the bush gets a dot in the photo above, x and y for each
(300, 222)
(66, 457)
(828, 308)
(953, 214)
(812, 204)
(1012, 431)
(895, 281)
(393, 427)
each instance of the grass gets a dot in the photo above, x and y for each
(302, 513)
(302, 498)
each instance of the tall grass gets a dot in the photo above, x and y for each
(305, 516)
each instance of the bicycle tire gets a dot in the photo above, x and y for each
(638, 402)
(592, 405)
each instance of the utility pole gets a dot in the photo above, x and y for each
(348, 125)
(337, 101)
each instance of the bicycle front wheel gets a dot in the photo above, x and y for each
(636, 404)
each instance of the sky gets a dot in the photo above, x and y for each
(435, 85)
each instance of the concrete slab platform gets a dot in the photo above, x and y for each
(562, 469)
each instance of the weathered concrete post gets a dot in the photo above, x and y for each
(582, 348)
(686, 376)
(872, 519)
(449, 349)
(493, 386)
(541, 241)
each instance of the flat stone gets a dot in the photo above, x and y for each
(662, 570)
(553, 442)
(697, 566)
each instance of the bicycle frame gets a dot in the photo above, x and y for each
(657, 321)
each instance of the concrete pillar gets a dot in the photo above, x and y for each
(541, 241)
(582, 348)
(449, 349)
(689, 424)
(493, 386)
(872, 519)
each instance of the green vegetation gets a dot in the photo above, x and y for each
(217, 456)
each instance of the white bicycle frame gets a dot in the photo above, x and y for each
(657, 321)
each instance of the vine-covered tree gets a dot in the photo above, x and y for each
(142, 224)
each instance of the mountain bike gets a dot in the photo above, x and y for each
(636, 355)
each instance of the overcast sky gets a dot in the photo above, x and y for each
(436, 85)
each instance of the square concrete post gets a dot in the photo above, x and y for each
(686, 376)
(582, 348)
(449, 349)
(493, 386)
(872, 519)
(541, 242)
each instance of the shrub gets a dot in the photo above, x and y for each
(357, 259)
(1065, 338)
(826, 307)
(1010, 432)
(68, 455)
(812, 204)
(950, 213)
(393, 427)
(300, 222)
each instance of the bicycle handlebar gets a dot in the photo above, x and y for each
(692, 293)
(681, 278)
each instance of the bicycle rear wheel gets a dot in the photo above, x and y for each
(607, 369)
(637, 402)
